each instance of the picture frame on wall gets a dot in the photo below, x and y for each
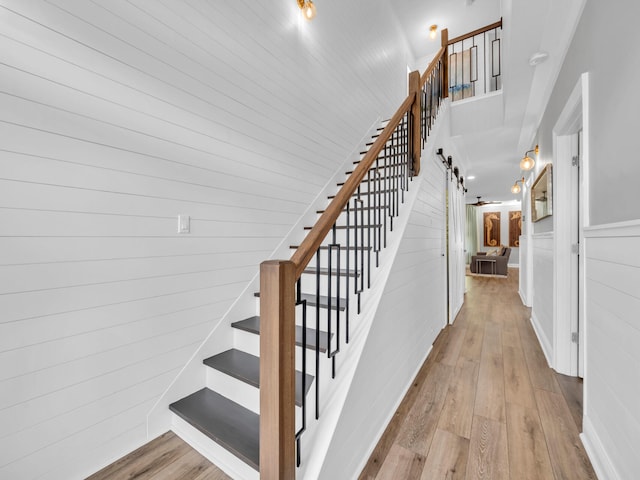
(542, 195)
(515, 228)
(491, 223)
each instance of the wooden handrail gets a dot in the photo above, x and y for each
(277, 288)
(307, 249)
(478, 31)
(432, 66)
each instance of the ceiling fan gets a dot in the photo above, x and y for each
(480, 203)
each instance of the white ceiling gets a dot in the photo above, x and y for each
(529, 26)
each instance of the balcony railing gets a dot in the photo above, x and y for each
(475, 62)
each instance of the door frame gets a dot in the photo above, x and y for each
(567, 294)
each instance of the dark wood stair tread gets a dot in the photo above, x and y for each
(325, 271)
(344, 227)
(324, 247)
(231, 425)
(353, 209)
(252, 325)
(246, 367)
(375, 192)
(324, 301)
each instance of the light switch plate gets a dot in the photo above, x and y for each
(184, 223)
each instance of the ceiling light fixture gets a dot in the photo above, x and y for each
(433, 30)
(516, 188)
(537, 58)
(527, 163)
(308, 9)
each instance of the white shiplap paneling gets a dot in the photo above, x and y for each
(542, 302)
(411, 313)
(115, 118)
(612, 358)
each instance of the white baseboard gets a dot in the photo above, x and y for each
(523, 299)
(597, 454)
(542, 338)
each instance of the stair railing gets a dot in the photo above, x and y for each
(475, 62)
(396, 153)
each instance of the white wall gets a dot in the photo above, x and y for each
(410, 315)
(116, 117)
(611, 412)
(612, 383)
(542, 307)
(514, 257)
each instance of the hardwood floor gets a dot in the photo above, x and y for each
(167, 457)
(485, 405)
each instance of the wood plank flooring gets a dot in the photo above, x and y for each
(167, 457)
(485, 405)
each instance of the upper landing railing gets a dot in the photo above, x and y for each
(475, 62)
(396, 153)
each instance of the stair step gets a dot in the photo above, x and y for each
(229, 424)
(324, 301)
(325, 271)
(246, 367)
(324, 247)
(352, 209)
(344, 227)
(252, 325)
(355, 194)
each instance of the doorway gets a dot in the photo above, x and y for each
(570, 163)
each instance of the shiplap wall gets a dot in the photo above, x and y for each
(612, 363)
(411, 313)
(542, 302)
(116, 117)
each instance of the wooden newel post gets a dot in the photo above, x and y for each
(416, 142)
(445, 62)
(277, 367)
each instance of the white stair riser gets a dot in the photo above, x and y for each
(250, 343)
(244, 394)
(212, 451)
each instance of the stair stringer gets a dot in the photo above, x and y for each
(192, 376)
(332, 441)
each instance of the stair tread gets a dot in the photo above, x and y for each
(344, 227)
(252, 325)
(231, 425)
(375, 192)
(324, 247)
(246, 367)
(325, 271)
(352, 209)
(324, 301)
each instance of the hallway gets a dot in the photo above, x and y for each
(485, 405)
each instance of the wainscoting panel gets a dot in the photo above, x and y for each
(543, 292)
(411, 313)
(612, 353)
(116, 118)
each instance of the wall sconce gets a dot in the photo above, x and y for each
(527, 163)
(433, 29)
(308, 9)
(516, 188)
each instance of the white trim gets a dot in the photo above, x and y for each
(574, 116)
(620, 229)
(392, 413)
(542, 338)
(596, 452)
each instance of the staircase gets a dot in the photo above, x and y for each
(307, 306)
(226, 410)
